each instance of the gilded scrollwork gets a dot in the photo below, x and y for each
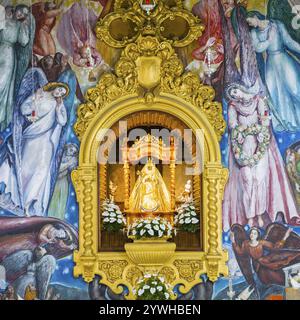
(130, 77)
(129, 21)
(113, 269)
(188, 269)
(133, 274)
(169, 273)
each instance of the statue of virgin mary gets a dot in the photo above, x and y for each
(150, 192)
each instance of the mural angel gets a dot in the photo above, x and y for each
(32, 172)
(16, 41)
(258, 182)
(265, 255)
(271, 36)
(33, 80)
(29, 249)
(47, 115)
(45, 14)
(75, 35)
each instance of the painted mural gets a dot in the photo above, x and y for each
(50, 56)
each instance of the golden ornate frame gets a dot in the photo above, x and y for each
(170, 91)
(149, 77)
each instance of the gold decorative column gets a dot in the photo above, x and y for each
(126, 183)
(215, 177)
(197, 186)
(103, 182)
(172, 189)
(84, 179)
(172, 172)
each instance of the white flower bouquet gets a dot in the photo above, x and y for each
(112, 217)
(152, 287)
(150, 228)
(187, 218)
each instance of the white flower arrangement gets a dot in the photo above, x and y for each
(152, 287)
(112, 217)
(187, 219)
(150, 228)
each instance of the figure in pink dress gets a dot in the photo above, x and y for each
(258, 181)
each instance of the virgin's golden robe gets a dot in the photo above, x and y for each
(150, 192)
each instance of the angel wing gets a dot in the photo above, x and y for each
(276, 231)
(45, 269)
(34, 79)
(23, 54)
(16, 263)
(244, 261)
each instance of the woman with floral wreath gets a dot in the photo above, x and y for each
(258, 181)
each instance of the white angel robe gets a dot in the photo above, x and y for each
(40, 142)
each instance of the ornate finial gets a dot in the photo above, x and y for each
(132, 19)
(148, 5)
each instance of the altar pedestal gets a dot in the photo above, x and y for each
(150, 254)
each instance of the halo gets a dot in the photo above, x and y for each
(52, 85)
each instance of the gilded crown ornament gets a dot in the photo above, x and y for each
(148, 5)
(132, 19)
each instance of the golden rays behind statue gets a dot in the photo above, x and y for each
(150, 193)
